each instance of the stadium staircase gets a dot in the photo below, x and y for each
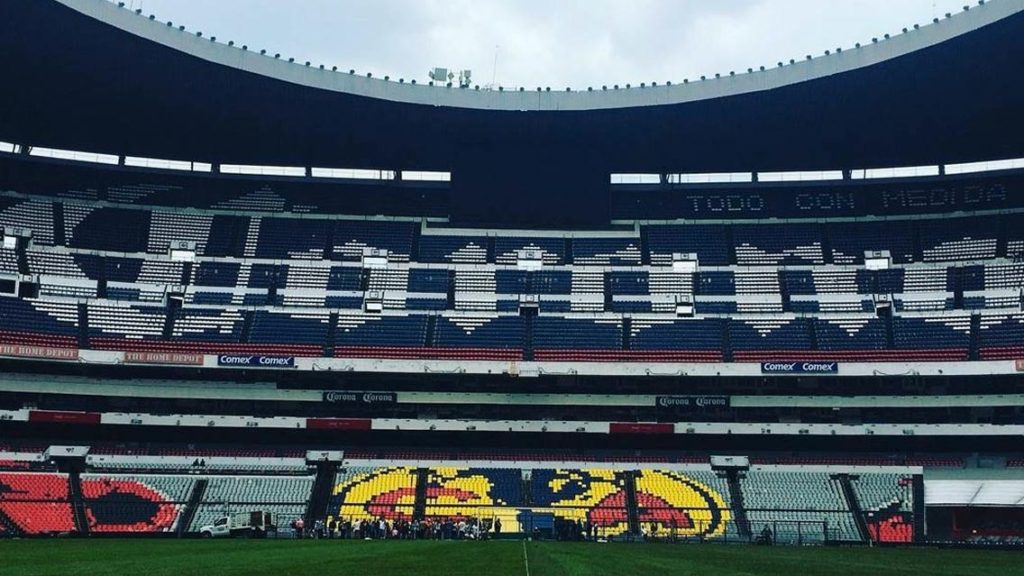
(890, 333)
(194, 499)
(608, 291)
(627, 329)
(83, 325)
(918, 250)
(451, 290)
(59, 238)
(919, 512)
(328, 243)
(247, 322)
(23, 267)
(726, 343)
(186, 274)
(414, 248)
(568, 252)
(7, 527)
(491, 249)
(77, 502)
(629, 480)
(419, 507)
(955, 283)
(431, 340)
(332, 334)
(783, 290)
(731, 245)
(853, 503)
(1001, 243)
(812, 333)
(528, 338)
(739, 509)
(975, 337)
(173, 305)
(826, 247)
(320, 496)
(101, 281)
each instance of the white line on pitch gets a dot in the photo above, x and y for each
(526, 559)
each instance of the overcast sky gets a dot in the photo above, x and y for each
(557, 43)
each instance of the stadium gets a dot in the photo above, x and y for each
(766, 321)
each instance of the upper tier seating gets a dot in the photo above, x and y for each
(570, 338)
(506, 249)
(291, 238)
(167, 227)
(453, 249)
(758, 245)
(8, 261)
(693, 340)
(481, 337)
(941, 338)
(606, 251)
(271, 284)
(710, 243)
(90, 227)
(383, 336)
(38, 323)
(306, 331)
(1002, 336)
(35, 215)
(768, 339)
(110, 324)
(958, 239)
(351, 237)
(851, 239)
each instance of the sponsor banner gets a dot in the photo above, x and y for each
(20, 351)
(56, 416)
(360, 397)
(1020, 365)
(635, 428)
(699, 402)
(163, 358)
(256, 361)
(799, 367)
(338, 423)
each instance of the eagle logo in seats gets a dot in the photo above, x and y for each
(455, 493)
(669, 500)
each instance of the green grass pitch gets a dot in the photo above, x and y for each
(321, 558)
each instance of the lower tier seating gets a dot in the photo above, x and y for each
(36, 503)
(121, 503)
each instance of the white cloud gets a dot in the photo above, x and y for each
(555, 43)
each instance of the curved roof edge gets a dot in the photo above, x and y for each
(204, 48)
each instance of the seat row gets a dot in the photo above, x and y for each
(153, 230)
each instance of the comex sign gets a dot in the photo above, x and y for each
(799, 367)
(256, 361)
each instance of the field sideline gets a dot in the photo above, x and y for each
(283, 558)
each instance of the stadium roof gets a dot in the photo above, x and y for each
(88, 75)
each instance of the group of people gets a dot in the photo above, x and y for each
(401, 529)
(573, 530)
